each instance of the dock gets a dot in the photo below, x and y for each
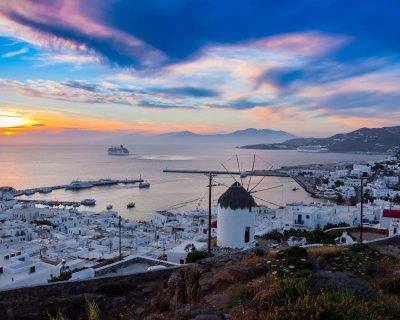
(52, 203)
(271, 173)
(89, 183)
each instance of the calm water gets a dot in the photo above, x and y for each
(37, 166)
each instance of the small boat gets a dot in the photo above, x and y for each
(130, 205)
(144, 184)
(109, 207)
(244, 174)
(295, 189)
(88, 202)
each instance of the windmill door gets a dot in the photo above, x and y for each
(247, 234)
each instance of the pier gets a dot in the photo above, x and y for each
(52, 203)
(88, 184)
(271, 173)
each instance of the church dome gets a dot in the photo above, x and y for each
(236, 197)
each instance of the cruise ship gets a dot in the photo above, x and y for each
(313, 149)
(118, 151)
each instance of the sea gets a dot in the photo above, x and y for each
(31, 166)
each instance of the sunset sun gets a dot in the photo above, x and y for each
(12, 122)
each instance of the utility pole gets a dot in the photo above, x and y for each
(209, 212)
(120, 242)
(361, 209)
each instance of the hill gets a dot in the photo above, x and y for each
(374, 140)
(236, 138)
(357, 282)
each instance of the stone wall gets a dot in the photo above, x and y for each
(66, 288)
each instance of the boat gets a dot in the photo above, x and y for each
(45, 190)
(312, 149)
(29, 192)
(244, 174)
(105, 182)
(88, 202)
(144, 184)
(118, 151)
(77, 184)
(130, 205)
(109, 207)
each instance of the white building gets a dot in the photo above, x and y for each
(235, 218)
(391, 220)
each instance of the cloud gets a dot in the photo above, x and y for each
(12, 54)
(187, 91)
(155, 33)
(64, 25)
(81, 85)
(366, 104)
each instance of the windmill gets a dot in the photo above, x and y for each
(238, 172)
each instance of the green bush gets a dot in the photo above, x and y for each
(316, 236)
(194, 256)
(62, 277)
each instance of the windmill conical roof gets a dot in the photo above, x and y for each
(236, 197)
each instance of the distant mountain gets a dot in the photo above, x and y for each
(239, 137)
(374, 140)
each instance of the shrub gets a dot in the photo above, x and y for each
(273, 235)
(330, 306)
(315, 236)
(62, 277)
(390, 286)
(338, 225)
(92, 309)
(195, 256)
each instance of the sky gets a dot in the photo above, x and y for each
(309, 67)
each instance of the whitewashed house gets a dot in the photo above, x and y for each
(390, 220)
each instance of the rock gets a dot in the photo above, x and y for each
(192, 277)
(177, 289)
(139, 311)
(325, 280)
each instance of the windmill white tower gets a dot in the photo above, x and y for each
(235, 218)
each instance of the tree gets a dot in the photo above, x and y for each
(338, 183)
(396, 199)
(194, 256)
(339, 199)
(353, 201)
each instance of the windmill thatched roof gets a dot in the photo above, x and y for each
(236, 197)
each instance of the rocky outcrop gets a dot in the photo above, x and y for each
(340, 281)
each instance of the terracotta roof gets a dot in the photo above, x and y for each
(390, 213)
(236, 197)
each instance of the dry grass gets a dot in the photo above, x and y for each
(318, 251)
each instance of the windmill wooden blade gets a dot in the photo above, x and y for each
(252, 169)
